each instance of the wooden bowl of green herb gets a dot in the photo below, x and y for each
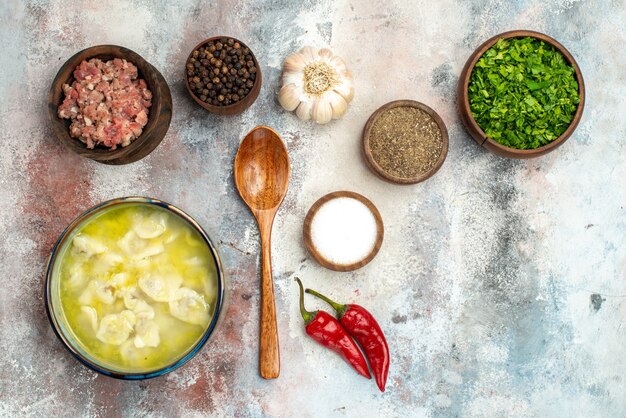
(521, 94)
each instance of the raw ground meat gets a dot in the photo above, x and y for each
(106, 103)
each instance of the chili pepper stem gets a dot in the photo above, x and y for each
(341, 309)
(306, 315)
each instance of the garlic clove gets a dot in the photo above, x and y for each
(346, 75)
(294, 62)
(345, 89)
(304, 110)
(289, 97)
(322, 111)
(326, 54)
(338, 63)
(310, 54)
(338, 104)
(295, 78)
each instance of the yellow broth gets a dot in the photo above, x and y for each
(107, 250)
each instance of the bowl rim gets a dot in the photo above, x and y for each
(308, 238)
(161, 110)
(66, 341)
(242, 104)
(476, 131)
(377, 169)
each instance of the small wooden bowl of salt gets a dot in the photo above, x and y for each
(343, 231)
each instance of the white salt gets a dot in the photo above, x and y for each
(344, 230)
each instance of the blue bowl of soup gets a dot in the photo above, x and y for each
(134, 288)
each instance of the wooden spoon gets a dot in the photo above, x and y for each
(262, 177)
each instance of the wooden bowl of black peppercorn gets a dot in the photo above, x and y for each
(222, 75)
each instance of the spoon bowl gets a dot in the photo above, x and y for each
(262, 177)
(262, 169)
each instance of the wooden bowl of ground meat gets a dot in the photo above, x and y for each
(109, 104)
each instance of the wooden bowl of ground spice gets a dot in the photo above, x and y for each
(405, 142)
(521, 94)
(222, 75)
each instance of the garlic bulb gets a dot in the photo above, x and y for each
(316, 85)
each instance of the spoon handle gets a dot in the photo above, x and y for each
(269, 354)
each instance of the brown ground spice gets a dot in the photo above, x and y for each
(405, 141)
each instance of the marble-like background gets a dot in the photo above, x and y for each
(501, 284)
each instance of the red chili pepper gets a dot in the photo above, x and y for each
(326, 330)
(363, 327)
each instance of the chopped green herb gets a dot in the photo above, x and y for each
(523, 93)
